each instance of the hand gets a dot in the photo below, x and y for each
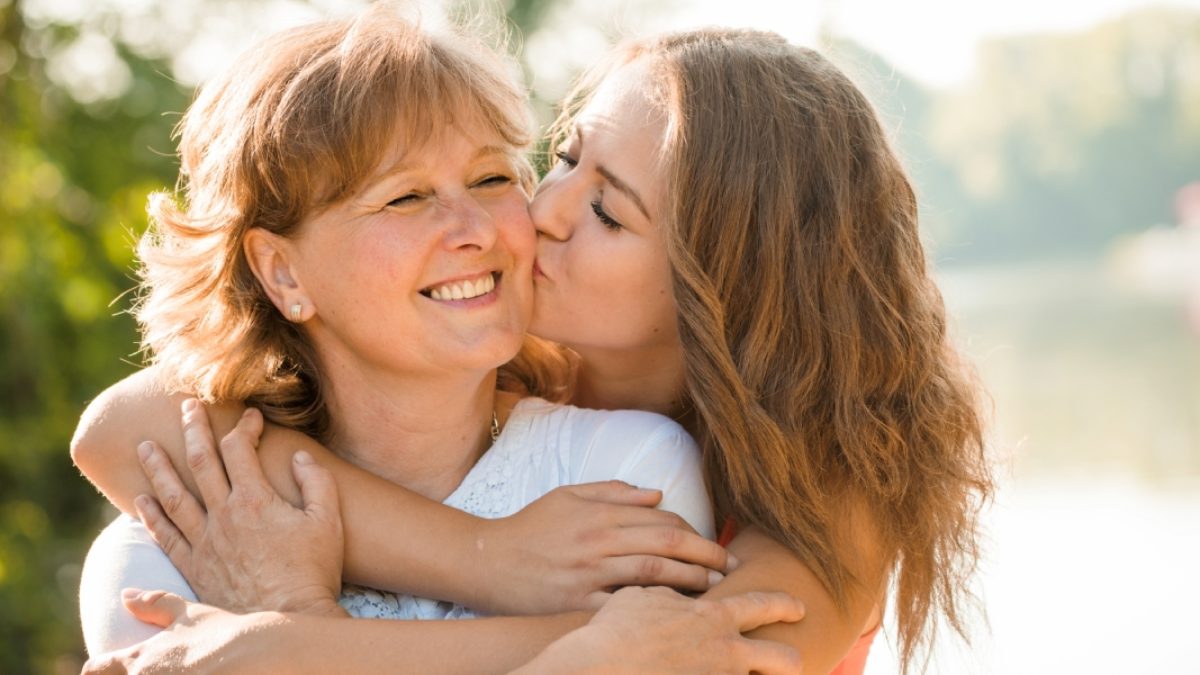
(196, 639)
(570, 548)
(656, 630)
(250, 550)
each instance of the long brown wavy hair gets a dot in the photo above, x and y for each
(815, 341)
(295, 125)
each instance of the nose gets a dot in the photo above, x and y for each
(469, 225)
(550, 209)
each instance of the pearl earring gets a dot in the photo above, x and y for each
(296, 311)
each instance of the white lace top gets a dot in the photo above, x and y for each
(542, 446)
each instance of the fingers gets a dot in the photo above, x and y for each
(201, 453)
(671, 542)
(180, 506)
(164, 532)
(616, 492)
(770, 658)
(751, 610)
(239, 450)
(650, 570)
(157, 608)
(595, 600)
(317, 488)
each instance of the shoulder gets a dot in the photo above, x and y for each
(585, 427)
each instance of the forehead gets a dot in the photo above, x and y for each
(466, 133)
(624, 106)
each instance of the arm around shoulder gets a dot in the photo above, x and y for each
(138, 408)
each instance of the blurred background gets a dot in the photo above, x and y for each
(1056, 148)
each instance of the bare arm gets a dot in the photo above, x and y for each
(640, 631)
(202, 639)
(828, 631)
(559, 553)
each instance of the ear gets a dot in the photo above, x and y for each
(271, 258)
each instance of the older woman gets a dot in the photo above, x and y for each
(728, 238)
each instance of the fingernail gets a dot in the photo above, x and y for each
(144, 449)
(130, 593)
(731, 562)
(714, 578)
(302, 457)
(190, 405)
(142, 502)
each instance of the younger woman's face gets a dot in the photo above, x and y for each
(602, 279)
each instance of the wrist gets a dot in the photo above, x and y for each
(485, 534)
(572, 653)
(323, 606)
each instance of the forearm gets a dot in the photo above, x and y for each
(300, 644)
(828, 631)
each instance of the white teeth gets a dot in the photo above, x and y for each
(464, 290)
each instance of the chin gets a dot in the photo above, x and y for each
(493, 353)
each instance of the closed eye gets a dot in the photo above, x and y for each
(566, 159)
(605, 219)
(498, 179)
(405, 200)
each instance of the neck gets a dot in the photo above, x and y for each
(422, 433)
(650, 380)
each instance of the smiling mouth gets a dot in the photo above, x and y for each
(464, 289)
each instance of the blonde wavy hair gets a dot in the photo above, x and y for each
(294, 126)
(816, 352)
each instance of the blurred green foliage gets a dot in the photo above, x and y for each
(1060, 144)
(73, 181)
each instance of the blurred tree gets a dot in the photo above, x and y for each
(72, 190)
(83, 140)
(1063, 142)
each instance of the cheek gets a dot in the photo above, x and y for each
(626, 290)
(512, 219)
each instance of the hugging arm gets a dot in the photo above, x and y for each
(829, 630)
(640, 631)
(398, 540)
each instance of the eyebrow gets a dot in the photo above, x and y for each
(621, 186)
(488, 150)
(403, 166)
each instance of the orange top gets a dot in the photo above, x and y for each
(855, 661)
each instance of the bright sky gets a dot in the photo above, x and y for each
(931, 40)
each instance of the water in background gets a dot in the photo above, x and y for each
(1093, 550)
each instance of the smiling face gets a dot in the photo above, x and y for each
(604, 281)
(427, 268)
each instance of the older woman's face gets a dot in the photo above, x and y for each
(428, 267)
(602, 278)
